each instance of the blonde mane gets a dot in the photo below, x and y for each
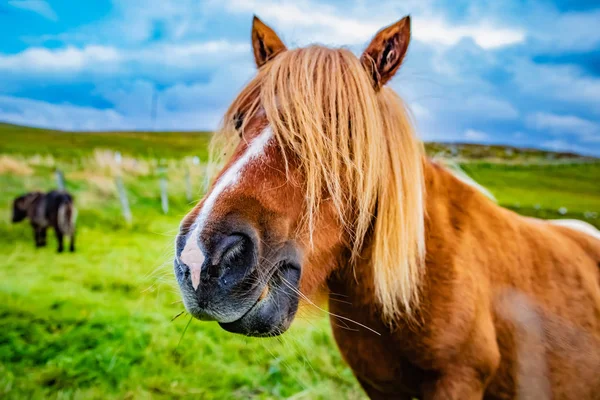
(359, 145)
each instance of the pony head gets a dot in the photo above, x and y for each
(321, 172)
(21, 206)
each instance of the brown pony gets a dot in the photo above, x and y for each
(325, 188)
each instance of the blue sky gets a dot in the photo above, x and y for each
(517, 72)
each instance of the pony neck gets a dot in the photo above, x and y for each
(447, 200)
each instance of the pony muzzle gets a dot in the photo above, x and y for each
(222, 280)
(216, 272)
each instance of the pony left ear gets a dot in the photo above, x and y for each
(384, 55)
(265, 42)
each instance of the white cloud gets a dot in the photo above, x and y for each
(474, 107)
(190, 54)
(134, 22)
(316, 22)
(65, 60)
(40, 7)
(485, 34)
(419, 111)
(562, 145)
(97, 58)
(572, 31)
(488, 107)
(196, 55)
(208, 99)
(59, 116)
(566, 83)
(471, 134)
(214, 94)
(76, 118)
(309, 20)
(319, 22)
(588, 131)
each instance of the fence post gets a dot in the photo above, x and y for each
(121, 191)
(123, 199)
(60, 179)
(188, 184)
(164, 197)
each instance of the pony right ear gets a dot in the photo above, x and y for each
(265, 42)
(385, 53)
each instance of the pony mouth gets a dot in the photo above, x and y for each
(275, 308)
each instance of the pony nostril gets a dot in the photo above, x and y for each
(234, 256)
(222, 259)
(231, 247)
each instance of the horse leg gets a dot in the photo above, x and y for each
(72, 243)
(59, 238)
(43, 236)
(36, 235)
(456, 383)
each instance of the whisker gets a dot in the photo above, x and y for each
(325, 311)
(338, 294)
(341, 301)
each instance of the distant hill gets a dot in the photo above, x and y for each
(65, 145)
(464, 152)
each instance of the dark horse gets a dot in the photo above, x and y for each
(326, 187)
(53, 209)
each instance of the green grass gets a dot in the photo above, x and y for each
(540, 190)
(69, 145)
(97, 323)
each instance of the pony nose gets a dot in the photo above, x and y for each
(225, 261)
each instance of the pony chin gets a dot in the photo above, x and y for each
(276, 307)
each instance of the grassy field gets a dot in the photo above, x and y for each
(97, 323)
(73, 145)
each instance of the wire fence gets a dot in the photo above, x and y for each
(122, 177)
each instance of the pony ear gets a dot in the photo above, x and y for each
(265, 42)
(384, 55)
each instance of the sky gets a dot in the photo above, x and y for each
(517, 72)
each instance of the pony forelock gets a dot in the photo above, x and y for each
(355, 148)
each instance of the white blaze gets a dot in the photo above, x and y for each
(192, 255)
(193, 258)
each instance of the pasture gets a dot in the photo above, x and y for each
(98, 323)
